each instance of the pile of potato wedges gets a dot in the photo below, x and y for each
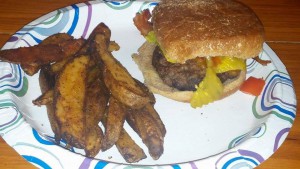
(82, 86)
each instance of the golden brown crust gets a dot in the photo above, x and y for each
(186, 29)
(156, 85)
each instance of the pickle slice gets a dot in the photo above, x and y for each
(209, 90)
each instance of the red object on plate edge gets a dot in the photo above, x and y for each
(253, 86)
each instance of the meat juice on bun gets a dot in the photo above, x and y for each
(196, 50)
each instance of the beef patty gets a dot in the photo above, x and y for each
(185, 77)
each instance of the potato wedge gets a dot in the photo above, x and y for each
(114, 122)
(93, 139)
(130, 151)
(118, 75)
(47, 82)
(127, 147)
(145, 126)
(69, 96)
(123, 94)
(96, 101)
(150, 109)
(118, 71)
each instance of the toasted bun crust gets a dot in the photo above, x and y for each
(152, 80)
(186, 29)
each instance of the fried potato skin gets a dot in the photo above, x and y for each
(32, 55)
(33, 68)
(56, 38)
(42, 54)
(69, 96)
(32, 58)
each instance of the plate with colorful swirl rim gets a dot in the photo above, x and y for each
(238, 131)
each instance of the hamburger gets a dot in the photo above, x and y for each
(196, 50)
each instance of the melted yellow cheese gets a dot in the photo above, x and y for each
(224, 63)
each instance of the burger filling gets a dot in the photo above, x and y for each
(204, 76)
(185, 77)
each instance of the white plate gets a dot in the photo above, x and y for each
(239, 131)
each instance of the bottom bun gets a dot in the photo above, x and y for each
(152, 80)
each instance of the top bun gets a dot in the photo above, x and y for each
(186, 29)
